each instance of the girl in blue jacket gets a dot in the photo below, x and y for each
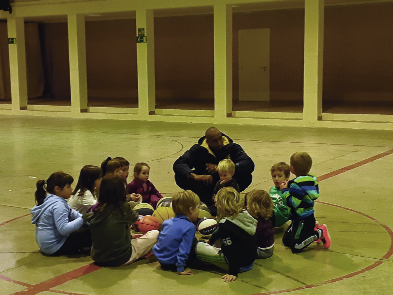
(59, 229)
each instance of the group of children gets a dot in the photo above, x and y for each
(99, 212)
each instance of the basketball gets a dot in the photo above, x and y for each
(204, 211)
(164, 202)
(144, 209)
(207, 226)
(163, 213)
(147, 223)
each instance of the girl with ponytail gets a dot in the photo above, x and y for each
(60, 230)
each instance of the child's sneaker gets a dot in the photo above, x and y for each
(325, 236)
(316, 229)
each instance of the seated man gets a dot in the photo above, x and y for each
(196, 169)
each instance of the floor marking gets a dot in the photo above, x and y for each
(59, 280)
(356, 165)
(14, 281)
(74, 274)
(8, 221)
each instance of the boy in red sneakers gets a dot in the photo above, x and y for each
(300, 194)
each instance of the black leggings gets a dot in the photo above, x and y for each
(300, 234)
(76, 242)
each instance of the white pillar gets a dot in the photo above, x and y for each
(17, 56)
(77, 57)
(146, 64)
(313, 60)
(222, 61)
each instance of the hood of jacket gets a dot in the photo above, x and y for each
(245, 221)
(202, 142)
(37, 210)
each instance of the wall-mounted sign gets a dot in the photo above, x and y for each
(141, 38)
(11, 40)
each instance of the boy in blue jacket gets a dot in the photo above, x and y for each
(176, 241)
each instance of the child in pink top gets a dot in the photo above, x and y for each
(142, 185)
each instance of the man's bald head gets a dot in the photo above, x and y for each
(214, 138)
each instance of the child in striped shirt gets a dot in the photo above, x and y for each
(300, 194)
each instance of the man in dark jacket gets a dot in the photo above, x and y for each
(196, 169)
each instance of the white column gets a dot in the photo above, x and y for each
(77, 57)
(146, 64)
(17, 56)
(313, 60)
(222, 61)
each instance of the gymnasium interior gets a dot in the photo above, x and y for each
(81, 80)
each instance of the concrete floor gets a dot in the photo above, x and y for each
(354, 168)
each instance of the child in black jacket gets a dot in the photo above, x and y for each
(236, 229)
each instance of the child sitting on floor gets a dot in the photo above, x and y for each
(59, 230)
(260, 206)
(84, 195)
(226, 170)
(143, 186)
(236, 229)
(176, 242)
(112, 244)
(280, 175)
(111, 166)
(124, 171)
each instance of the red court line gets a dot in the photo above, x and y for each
(8, 221)
(59, 280)
(356, 165)
(387, 229)
(14, 281)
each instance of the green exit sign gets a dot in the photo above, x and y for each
(11, 40)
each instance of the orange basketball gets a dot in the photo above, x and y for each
(147, 223)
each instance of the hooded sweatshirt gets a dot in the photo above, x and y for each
(200, 154)
(238, 246)
(54, 220)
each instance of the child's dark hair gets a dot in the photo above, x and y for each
(281, 166)
(301, 163)
(88, 175)
(259, 204)
(109, 165)
(112, 191)
(138, 167)
(123, 162)
(59, 179)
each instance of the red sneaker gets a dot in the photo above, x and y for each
(325, 236)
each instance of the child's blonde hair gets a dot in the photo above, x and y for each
(259, 204)
(229, 203)
(301, 163)
(183, 201)
(281, 166)
(226, 165)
